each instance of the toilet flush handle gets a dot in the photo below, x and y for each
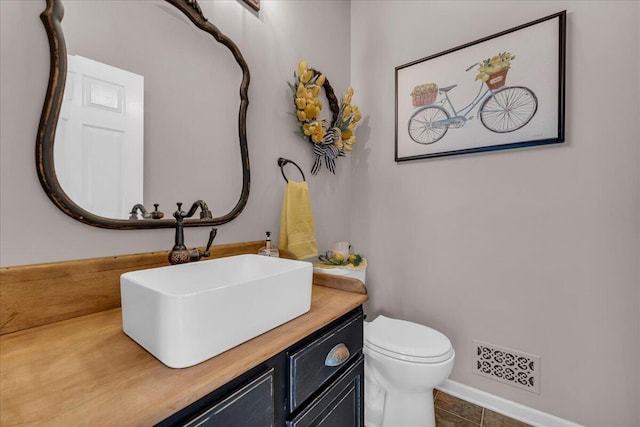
(337, 355)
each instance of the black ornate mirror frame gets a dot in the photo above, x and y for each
(52, 18)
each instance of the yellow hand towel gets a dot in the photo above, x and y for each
(297, 230)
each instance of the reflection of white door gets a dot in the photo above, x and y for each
(99, 146)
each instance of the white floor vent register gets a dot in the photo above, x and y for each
(511, 367)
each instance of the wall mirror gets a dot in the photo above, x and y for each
(142, 108)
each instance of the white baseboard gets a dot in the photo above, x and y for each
(503, 406)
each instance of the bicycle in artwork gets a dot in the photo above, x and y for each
(502, 109)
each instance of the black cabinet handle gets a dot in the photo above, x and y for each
(337, 355)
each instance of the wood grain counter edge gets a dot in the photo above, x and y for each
(40, 294)
(86, 371)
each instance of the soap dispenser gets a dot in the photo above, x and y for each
(268, 249)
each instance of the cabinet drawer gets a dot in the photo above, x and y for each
(314, 364)
(249, 406)
(341, 405)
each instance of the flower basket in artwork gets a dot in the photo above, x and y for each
(497, 80)
(493, 71)
(424, 94)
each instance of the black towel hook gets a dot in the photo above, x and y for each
(282, 162)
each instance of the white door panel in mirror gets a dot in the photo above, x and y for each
(99, 146)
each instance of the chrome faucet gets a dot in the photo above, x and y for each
(179, 254)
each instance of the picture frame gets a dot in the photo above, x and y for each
(254, 4)
(516, 100)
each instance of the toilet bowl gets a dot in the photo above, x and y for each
(404, 361)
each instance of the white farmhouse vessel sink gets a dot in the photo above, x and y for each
(185, 314)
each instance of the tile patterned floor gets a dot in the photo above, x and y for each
(453, 412)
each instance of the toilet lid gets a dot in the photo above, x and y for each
(407, 341)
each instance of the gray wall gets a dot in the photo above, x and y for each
(33, 230)
(533, 249)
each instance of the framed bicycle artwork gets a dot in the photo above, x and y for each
(502, 91)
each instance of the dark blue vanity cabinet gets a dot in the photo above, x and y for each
(318, 381)
(252, 403)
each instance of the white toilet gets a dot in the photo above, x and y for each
(404, 361)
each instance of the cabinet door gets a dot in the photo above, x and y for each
(340, 405)
(250, 406)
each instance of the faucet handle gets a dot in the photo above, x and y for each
(179, 214)
(156, 214)
(195, 254)
(212, 235)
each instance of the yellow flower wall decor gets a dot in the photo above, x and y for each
(330, 139)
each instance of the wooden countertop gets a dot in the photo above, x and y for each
(86, 371)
